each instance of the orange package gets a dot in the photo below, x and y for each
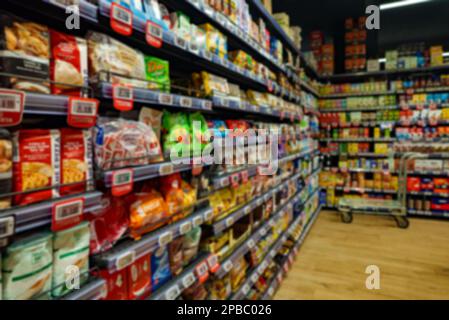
(147, 213)
(76, 161)
(171, 189)
(36, 165)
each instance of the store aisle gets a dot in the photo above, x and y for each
(414, 263)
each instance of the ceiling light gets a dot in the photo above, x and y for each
(402, 3)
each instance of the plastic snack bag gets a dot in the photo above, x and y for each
(160, 267)
(70, 248)
(36, 165)
(171, 189)
(76, 161)
(200, 131)
(27, 267)
(176, 137)
(190, 245)
(139, 278)
(5, 167)
(157, 73)
(148, 212)
(153, 119)
(176, 256)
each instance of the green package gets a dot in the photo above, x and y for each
(157, 73)
(176, 130)
(200, 130)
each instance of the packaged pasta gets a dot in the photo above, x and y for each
(108, 56)
(153, 119)
(5, 168)
(24, 52)
(27, 267)
(70, 249)
(36, 165)
(76, 161)
(68, 63)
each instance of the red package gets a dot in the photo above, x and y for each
(36, 165)
(76, 161)
(68, 64)
(413, 184)
(139, 278)
(116, 283)
(108, 224)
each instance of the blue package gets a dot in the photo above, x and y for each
(154, 12)
(160, 268)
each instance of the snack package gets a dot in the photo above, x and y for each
(116, 283)
(238, 273)
(190, 245)
(154, 13)
(157, 73)
(139, 278)
(217, 128)
(189, 195)
(160, 268)
(220, 289)
(107, 55)
(148, 212)
(214, 85)
(153, 119)
(121, 143)
(108, 224)
(24, 51)
(68, 64)
(27, 267)
(195, 292)
(176, 134)
(173, 195)
(70, 248)
(175, 252)
(5, 168)
(36, 165)
(76, 161)
(180, 25)
(200, 131)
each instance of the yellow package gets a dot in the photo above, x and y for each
(228, 198)
(212, 84)
(257, 98)
(216, 204)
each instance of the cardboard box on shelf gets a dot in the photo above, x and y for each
(436, 56)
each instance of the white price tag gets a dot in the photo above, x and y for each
(229, 221)
(172, 293)
(154, 30)
(270, 291)
(6, 227)
(123, 93)
(246, 289)
(207, 55)
(165, 238)
(209, 11)
(227, 266)
(193, 47)
(196, 3)
(166, 169)
(259, 202)
(221, 19)
(122, 15)
(207, 105)
(185, 227)
(260, 269)
(208, 215)
(64, 3)
(247, 210)
(186, 102)
(273, 253)
(224, 182)
(84, 107)
(254, 277)
(224, 102)
(263, 232)
(188, 280)
(197, 221)
(125, 260)
(272, 223)
(181, 43)
(166, 99)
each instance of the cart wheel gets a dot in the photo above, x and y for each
(346, 217)
(402, 222)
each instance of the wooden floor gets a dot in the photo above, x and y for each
(413, 263)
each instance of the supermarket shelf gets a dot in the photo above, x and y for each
(359, 94)
(359, 140)
(327, 110)
(270, 254)
(273, 25)
(93, 290)
(275, 283)
(38, 215)
(360, 154)
(173, 288)
(309, 88)
(247, 245)
(303, 154)
(362, 170)
(87, 9)
(151, 97)
(142, 173)
(195, 8)
(423, 90)
(428, 194)
(422, 213)
(226, 180)
(385, 73)
(233, 104)
(365, 190)
(362, 124)
(45, 104)
(126, 252)
(220, 225)
(438, 105)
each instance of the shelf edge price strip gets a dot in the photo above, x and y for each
(121, 19)
(12, 104)
(82, 112)
(67, 214)
(122, 182)
(123, 97)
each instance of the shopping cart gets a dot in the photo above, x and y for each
(395, 208)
